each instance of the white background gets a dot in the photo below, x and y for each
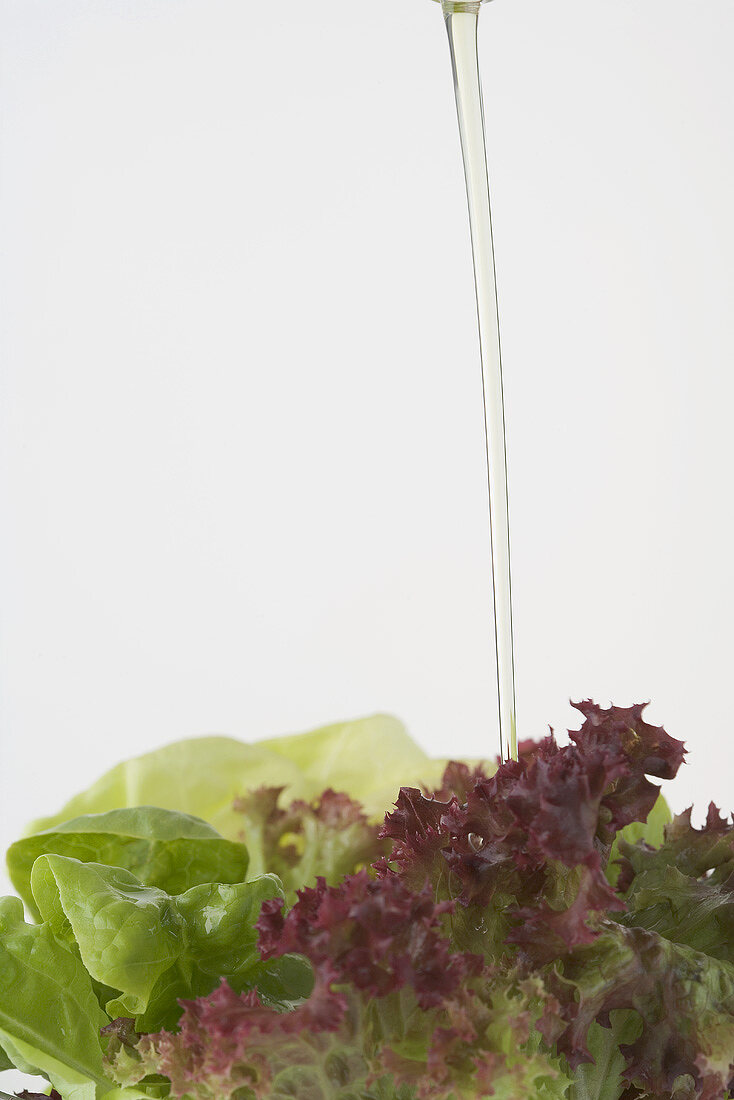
(242, 454)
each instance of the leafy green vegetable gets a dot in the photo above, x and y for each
(683, 890)
(203, 776)
(394, 1012)
(154, 948)
(163, 848)
(538, 931)
(650, 832)
(369, 759)
(329, 836)
(603, 1078)
(49, 1015)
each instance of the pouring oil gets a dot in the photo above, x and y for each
(461, 17)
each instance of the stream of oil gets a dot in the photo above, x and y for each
(461, 17)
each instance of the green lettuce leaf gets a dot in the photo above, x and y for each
(684, 1000)
(154, 948)
(602, 1078)
(162, 848)
(649, 832)
(369, 758)
(49, 1016)
(684, 888)
(203, 776)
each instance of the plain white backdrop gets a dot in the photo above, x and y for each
(242, 483)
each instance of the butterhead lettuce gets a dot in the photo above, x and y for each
(203, 776)
(171, 850)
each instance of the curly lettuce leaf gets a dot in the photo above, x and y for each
(228, 1047)
(329, 836)
(163, 848)
(531, 843)
(684, 1001)
(602, 1078)
(395, 1011)
(649, 832)
(154, 948)
(684, 889)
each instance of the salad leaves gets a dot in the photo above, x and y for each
(152, 947)
(291, 922)
(204, 775)
(329, 836)
(170, 850)
(49, 1016)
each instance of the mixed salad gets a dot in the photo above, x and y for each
(335, 916)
